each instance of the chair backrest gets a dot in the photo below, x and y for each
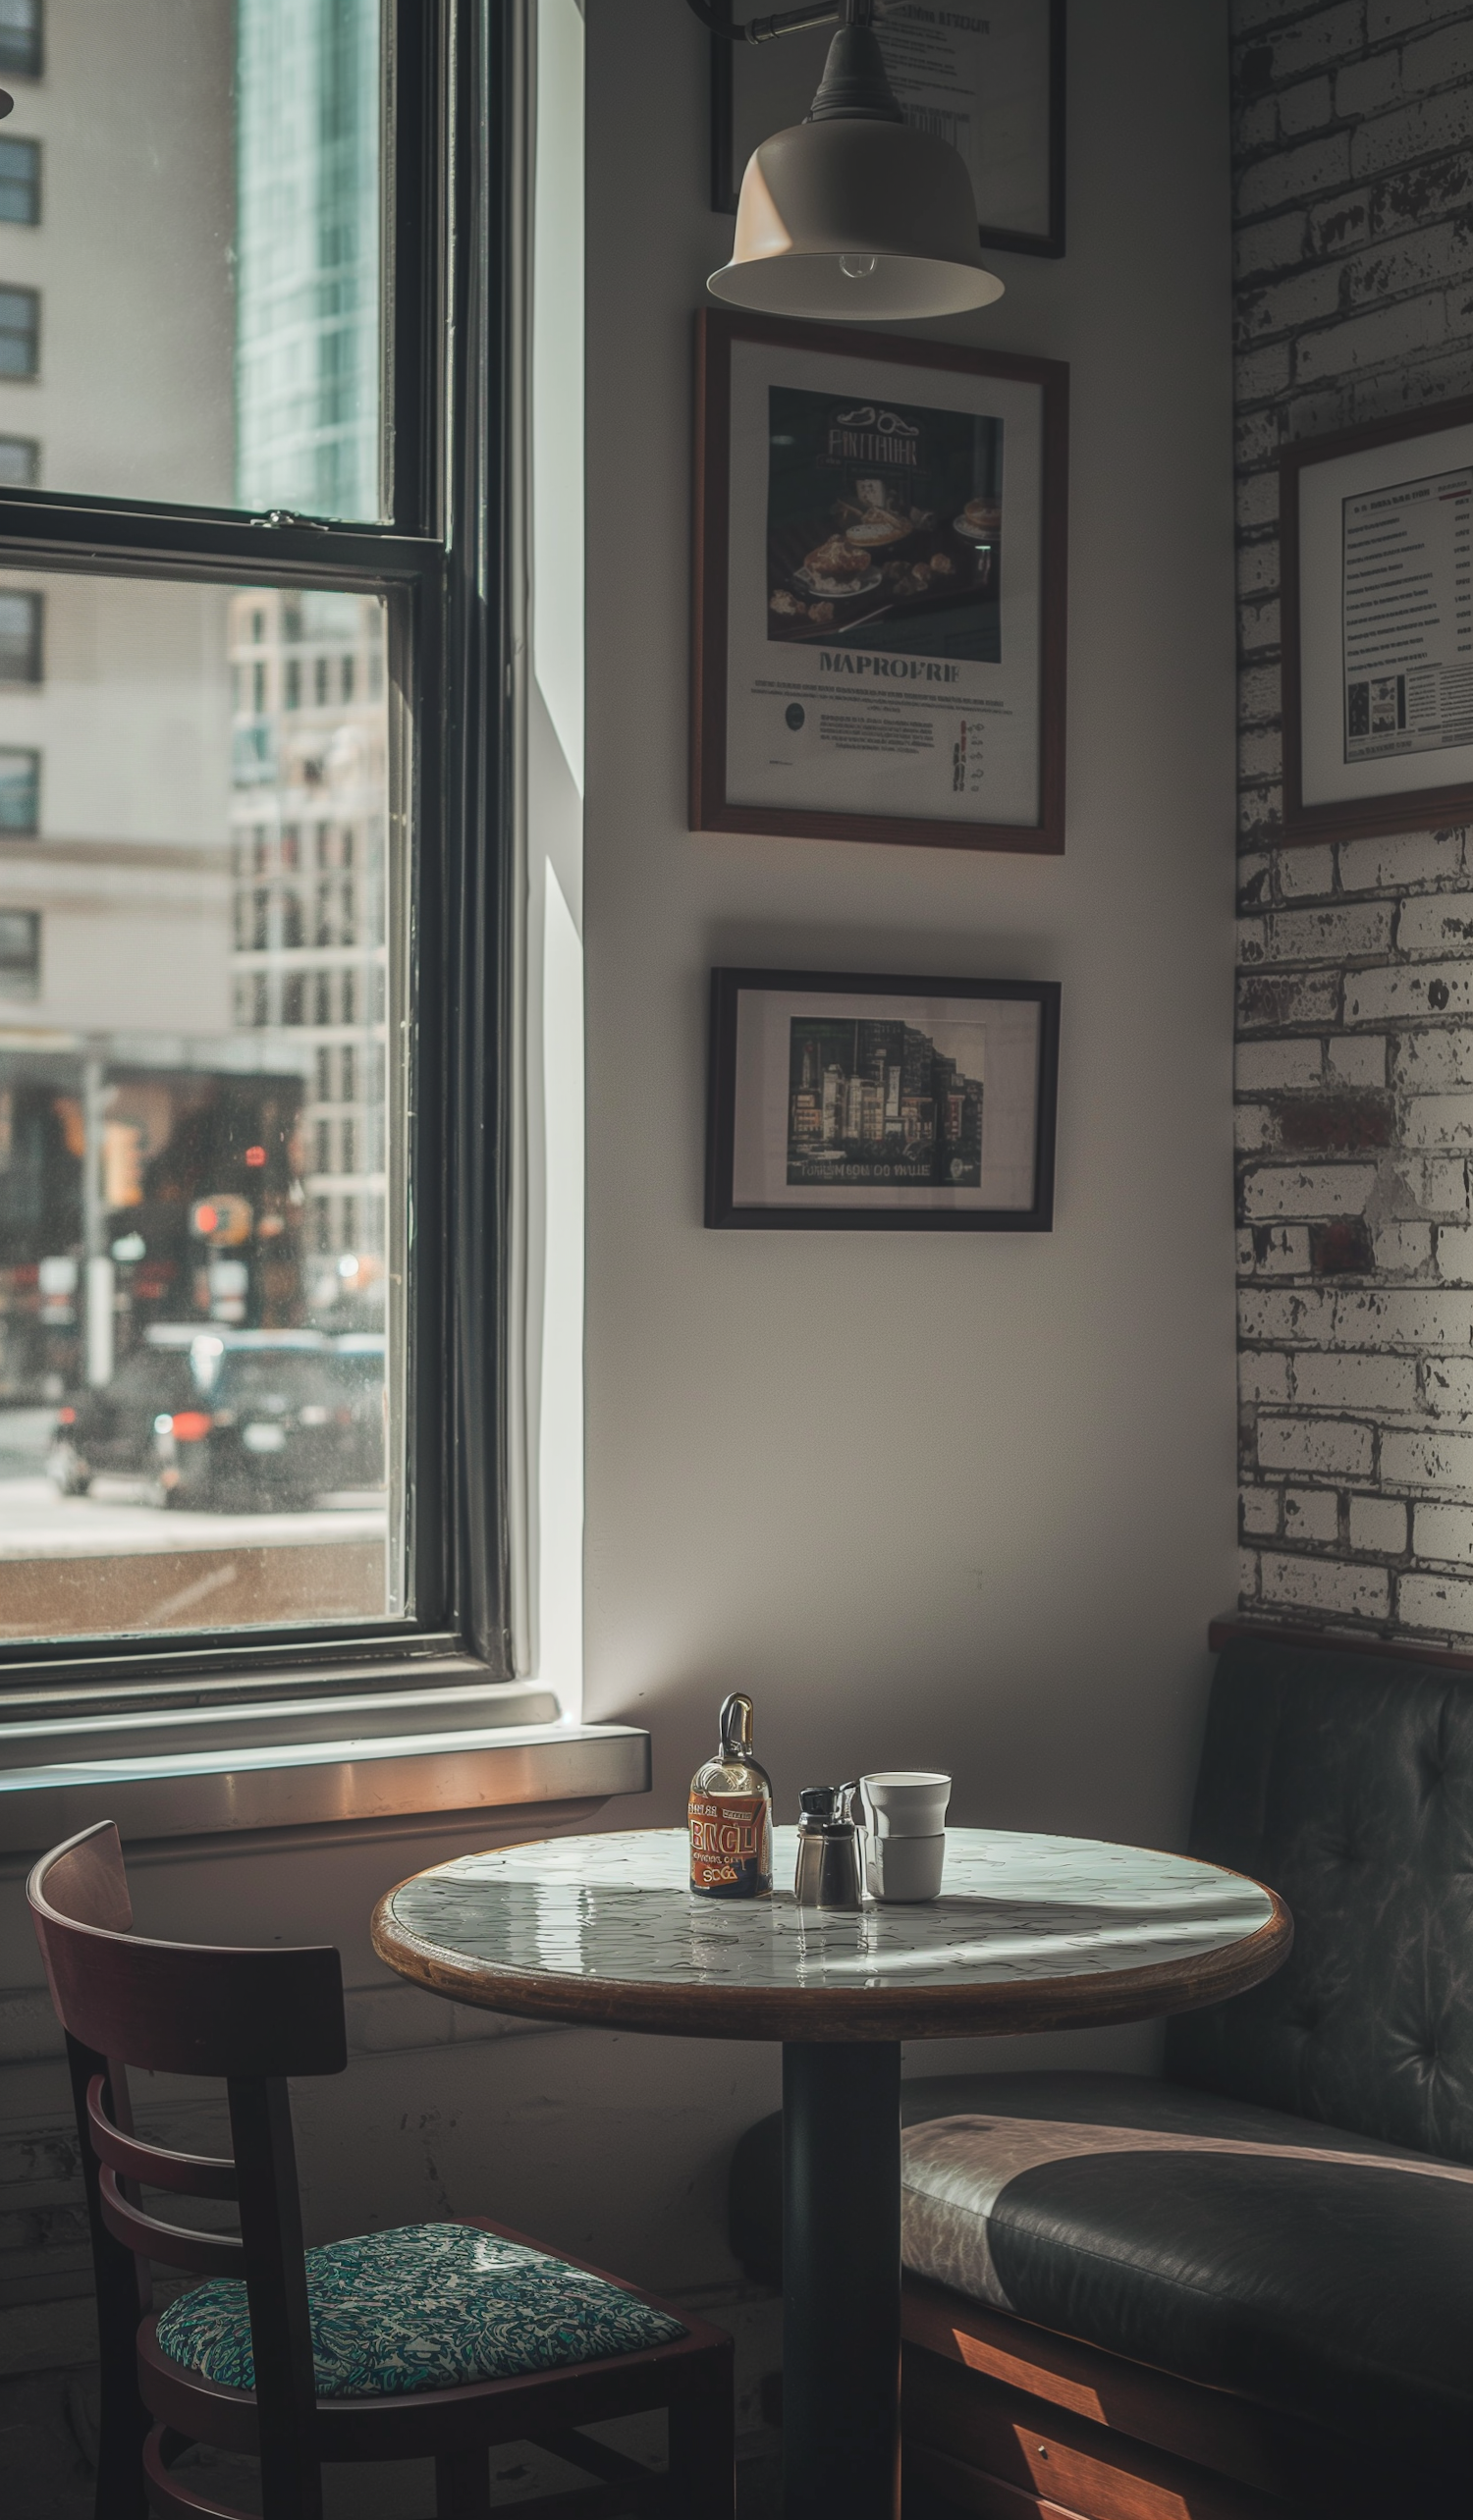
(1345, 1781)
(246, 2017)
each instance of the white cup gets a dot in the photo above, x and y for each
(904, 1803)
(901, 1869)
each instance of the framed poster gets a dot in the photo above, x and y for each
(879, 567)
(1377, 529)
(871, 1103)
(985, 75)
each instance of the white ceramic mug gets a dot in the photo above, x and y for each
(904, 1803)
(901, 1869)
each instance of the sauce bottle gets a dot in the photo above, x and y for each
(731, 1815)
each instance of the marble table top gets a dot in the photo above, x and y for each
(1029, 1932)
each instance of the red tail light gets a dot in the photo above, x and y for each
(190, 1425)
(66, 1417)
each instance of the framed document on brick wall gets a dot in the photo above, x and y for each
(1376, 532)
(985, 75)
(880, 575)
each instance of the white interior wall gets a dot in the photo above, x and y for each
(954, 1500)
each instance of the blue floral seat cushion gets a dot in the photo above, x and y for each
(431, 2306)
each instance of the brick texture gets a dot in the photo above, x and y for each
(1353, 171)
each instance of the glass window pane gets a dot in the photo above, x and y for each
(201, 1183)
(20, 463)
(189, 305)
(20, 953)
(20, 637)
(20, 39)
(19, 333)
(19, 788)
(19, 182)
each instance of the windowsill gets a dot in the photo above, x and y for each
(201, 1772)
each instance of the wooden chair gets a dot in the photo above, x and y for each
(250, 2018)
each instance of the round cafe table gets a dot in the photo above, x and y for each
(1029, 1934)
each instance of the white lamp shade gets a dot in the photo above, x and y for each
(855, 221)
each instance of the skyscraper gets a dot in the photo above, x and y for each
(307, 148)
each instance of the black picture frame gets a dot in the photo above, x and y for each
(725, 175)
(723, 1211)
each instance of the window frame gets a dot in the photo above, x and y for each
(451, 87)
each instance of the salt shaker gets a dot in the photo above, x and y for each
(828, 1850)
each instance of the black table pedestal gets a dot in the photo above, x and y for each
(841, 2280)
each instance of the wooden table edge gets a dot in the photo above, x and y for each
(1092, 2000)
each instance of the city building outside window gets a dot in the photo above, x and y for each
(21, 52)
(19, 636)
(19, 332)
(21, 183)
(20, 953)
(20, 790)
(237, 625)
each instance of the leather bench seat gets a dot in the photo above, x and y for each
(1318, 2272)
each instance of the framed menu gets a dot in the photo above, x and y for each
(985, 75)
(1377, 531)
(880, 579)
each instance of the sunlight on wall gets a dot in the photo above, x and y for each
(555, 843)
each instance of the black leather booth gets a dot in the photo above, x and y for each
(1246, 2290)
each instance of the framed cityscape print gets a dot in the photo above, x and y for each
(985, 75)
(1376, 530)
(861, 1101)
(880, 581)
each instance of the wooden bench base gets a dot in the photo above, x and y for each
(1015, 2422)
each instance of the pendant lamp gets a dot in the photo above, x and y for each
(854, 216)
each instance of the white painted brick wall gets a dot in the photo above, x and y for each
(1336, 1447)
(1354, 251)
(1378, 1523)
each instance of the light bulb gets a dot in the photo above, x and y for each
(858, 266)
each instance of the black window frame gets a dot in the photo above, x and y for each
(440, 563)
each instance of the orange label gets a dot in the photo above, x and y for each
(730, 1845)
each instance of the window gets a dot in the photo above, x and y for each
(20, 953)
(21, 183)
(20, 789)
(20, 39)
(244, 624)
(20, 637)
(19, 332)
(20, 463)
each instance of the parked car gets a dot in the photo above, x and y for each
(231, 1419)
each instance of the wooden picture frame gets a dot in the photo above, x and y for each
(865, 1102)
(1373, 522)
(789, 71)
(926, 708)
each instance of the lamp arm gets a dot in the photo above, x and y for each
(786, 21)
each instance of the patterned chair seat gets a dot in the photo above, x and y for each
(433, 2305)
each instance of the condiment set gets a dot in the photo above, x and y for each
(894, 1847)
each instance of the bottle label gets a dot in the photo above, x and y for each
(730, 1845)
